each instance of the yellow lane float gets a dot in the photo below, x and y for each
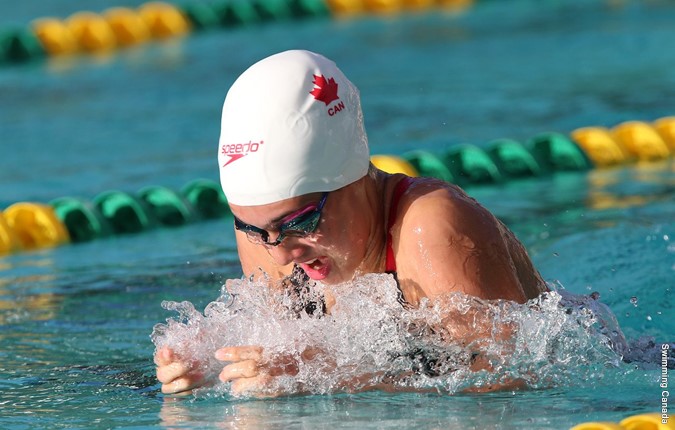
(9, 242)
(599, 146)
(393, 164)
(36, 225)
(666, 129)
(91, 31)
(127, 26)
(653, 421)
(55, 36)
(641, 141)
(164, 20)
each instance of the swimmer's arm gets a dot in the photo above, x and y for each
(252, 374)
(456, 245)
(449, 243)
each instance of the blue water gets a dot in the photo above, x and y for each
(75, 321)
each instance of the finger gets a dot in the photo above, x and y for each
(164, 356)
(239, 353)
(181, 386)
(240, 369)
(166, 374)
(253, 386)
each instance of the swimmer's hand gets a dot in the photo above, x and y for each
(252, 375)
(177, 376)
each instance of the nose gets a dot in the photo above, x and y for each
(288, 251)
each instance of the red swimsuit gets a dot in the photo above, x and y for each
(401, 187)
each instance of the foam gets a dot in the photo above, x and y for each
(369, 338)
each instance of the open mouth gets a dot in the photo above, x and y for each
(317, 269)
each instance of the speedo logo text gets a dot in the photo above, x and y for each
(238, 150)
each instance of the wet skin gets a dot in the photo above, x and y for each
(443, 241)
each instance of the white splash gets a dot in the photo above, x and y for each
(369, 339)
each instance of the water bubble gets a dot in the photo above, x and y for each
(666, 237)
(649, 317)
(370, 337)
(634, 301)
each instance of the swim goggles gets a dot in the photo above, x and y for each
(302, 225)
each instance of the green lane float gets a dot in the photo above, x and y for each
(81, 218)
(207, 198)
(272, 10)
(470, 164)
(121, 27)
(167, 206)
(125, 212)
(309, 9)
(233, 13)
(200, 15)
(26, 226)
(556, 152)
(512, 159)
(19, 45)
(428, 164)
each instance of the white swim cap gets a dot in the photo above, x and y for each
(292, 125)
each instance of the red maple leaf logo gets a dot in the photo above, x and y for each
(326, 90)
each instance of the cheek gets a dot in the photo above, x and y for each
(347, 242)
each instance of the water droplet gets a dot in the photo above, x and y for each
(634, 301)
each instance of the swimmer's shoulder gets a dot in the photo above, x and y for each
(428, 199)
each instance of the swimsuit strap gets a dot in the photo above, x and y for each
(401, 187)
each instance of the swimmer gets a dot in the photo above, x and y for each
(295, 168)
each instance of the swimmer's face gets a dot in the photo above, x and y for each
(320, 232)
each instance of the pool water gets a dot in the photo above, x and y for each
(75, 322)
